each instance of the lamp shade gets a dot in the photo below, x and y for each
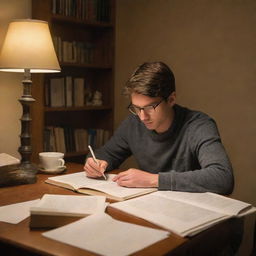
(28, 45)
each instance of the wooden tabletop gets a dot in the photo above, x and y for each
(18, 239)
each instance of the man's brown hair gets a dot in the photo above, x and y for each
(153, 79)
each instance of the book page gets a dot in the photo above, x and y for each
(104, 235)
(15, 213)
(76, 205)
(6, 159)
(179, 217)
(79, 180)
(114, 189)
(209, 201)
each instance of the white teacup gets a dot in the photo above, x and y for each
(52, 161)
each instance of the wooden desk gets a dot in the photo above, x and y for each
(20, 240)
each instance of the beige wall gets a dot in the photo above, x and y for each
(10, 83)
(211, 47)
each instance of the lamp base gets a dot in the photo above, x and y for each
(11, 175)
(29, 167)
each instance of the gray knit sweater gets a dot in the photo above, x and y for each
(188, 157)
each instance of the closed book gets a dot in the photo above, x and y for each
(81, 139)
(79, 92)
(69, 91)
(57, 92)
(6, 159)
(58, 210)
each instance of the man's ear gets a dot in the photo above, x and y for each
(172, 99)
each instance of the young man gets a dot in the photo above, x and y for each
(175, 148)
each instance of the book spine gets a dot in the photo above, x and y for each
(69, 139)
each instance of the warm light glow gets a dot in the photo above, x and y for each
(28, 45)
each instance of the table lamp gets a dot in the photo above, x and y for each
(27, 48)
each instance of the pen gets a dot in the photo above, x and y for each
(95, 160)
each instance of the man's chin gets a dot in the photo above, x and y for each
(149, 126)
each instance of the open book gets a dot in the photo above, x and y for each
(57, 210)
(184, 213)
(82, 184)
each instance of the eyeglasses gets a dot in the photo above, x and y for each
(148, 109)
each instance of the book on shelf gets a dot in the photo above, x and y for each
(49, 139)
(57, 42)
(59, 139)
(79, 92)
(87, 10)
(57, 210)
(68, 51)
(57, 92)
(184, 213)
(80, 183)
(81, 139)
(69, 139)
(69, 91)
(75, 51)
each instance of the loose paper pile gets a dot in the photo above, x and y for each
(104, 235)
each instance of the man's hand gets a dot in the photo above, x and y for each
(94, 170)
(136, 178)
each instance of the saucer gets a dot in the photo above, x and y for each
(53, 171)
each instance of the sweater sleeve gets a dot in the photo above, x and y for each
(116, 150)
(215, 174)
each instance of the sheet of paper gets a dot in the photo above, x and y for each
(15, 213)
(76, 204)
(101, 234)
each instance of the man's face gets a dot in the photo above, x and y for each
(158, 118)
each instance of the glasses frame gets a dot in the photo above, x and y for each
(154, 106)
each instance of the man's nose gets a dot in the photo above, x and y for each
(143, 115)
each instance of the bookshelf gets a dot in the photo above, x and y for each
(83, 32)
